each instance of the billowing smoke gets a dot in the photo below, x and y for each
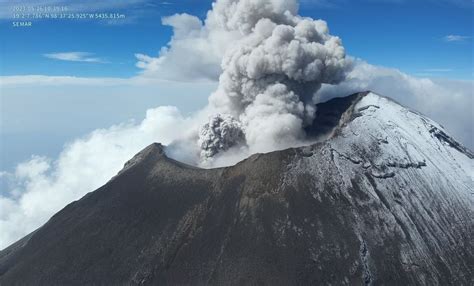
(220, 134)
(272, 72)
(273, 61)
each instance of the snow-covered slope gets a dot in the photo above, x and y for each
(411, 178)
(380, 137)
(385, 199)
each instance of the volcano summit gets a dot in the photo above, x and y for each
(385, 198)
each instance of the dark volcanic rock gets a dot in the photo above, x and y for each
(383, 201)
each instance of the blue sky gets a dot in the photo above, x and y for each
(408, 35)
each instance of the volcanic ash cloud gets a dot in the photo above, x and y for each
(270, 75)
(220, 134)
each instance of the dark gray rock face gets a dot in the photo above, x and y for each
(382, 201)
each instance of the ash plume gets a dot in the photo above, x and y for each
(271, 73)
(220, 134)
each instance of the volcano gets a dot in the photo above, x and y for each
(385, 197)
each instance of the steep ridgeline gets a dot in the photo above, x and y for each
(386, 199)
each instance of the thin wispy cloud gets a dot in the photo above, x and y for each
(75, 57)
(322, 3)
(433, 72)
(438, 70)
(455, 38)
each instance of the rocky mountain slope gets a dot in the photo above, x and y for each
(387, 198)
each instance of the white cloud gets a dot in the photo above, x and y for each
(75, 57)
(41, 186)
(456, 38)
(194, 52)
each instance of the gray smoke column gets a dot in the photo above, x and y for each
(273, 70)
(220, 134)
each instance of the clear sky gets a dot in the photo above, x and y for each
(413, 36)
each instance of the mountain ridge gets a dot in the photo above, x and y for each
(381, 201)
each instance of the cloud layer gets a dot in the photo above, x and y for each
(41, 186)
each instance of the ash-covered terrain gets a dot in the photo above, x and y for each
(384, 198)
